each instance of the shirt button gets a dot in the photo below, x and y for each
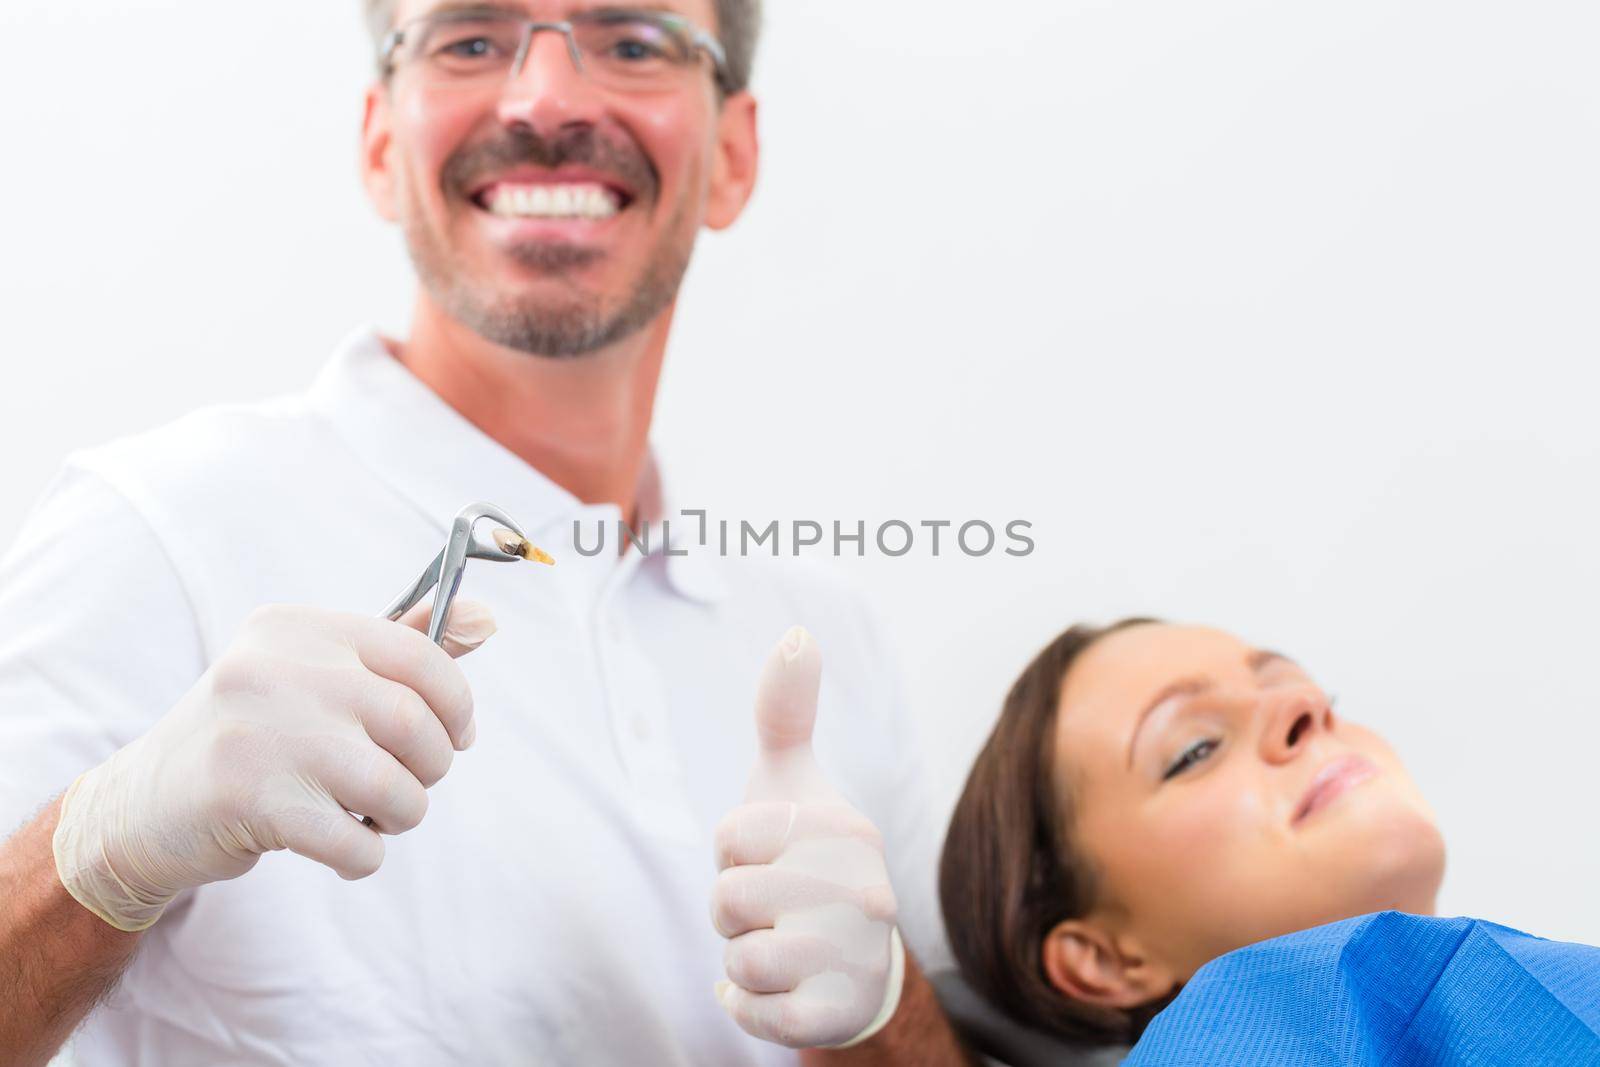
(614, 628)
(641, 728)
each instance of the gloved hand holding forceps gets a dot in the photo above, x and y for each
(310, 715)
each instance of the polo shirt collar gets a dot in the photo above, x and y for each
(693, 573)
(439, 461)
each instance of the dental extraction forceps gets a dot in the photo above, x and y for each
(450, 564)
(511, 546)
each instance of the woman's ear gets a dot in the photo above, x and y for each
(1088, 964)
(738, 158)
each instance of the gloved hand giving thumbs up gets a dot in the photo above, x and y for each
(813, 957)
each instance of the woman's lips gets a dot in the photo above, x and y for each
(1338, 775)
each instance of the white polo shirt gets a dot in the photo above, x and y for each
(552, 907)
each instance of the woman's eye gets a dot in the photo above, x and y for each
(1191, 755)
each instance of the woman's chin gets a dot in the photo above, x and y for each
(1396, 864)
(1388, 855)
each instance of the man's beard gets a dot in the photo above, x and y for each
(556, 327)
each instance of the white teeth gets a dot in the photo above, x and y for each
(579, 201)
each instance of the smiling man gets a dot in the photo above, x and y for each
(551, 163)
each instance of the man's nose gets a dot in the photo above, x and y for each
(549, 92)
(1295, 716)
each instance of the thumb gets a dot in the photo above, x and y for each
(786, 696)
(469, 626)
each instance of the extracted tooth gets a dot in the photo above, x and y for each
(512, 545)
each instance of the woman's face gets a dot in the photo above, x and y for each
(1221, 801)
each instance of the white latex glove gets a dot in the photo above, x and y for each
(813, 957)
(308, 716)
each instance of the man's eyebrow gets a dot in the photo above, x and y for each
(490, 7)
(1182, 687)
(472, 7)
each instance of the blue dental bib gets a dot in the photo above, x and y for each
(1387, 989)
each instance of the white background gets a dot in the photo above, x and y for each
(1276, 316)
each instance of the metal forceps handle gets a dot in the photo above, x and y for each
(447, 568)
(450, 564)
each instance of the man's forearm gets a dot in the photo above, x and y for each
(57, 959)
(920, 1033)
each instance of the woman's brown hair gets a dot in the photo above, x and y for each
(1010, 872)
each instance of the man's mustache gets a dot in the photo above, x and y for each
(470, 166)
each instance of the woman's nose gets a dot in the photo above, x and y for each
(1294, 717)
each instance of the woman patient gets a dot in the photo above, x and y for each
(1152, 797)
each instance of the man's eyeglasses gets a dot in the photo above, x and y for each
(626, 50)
